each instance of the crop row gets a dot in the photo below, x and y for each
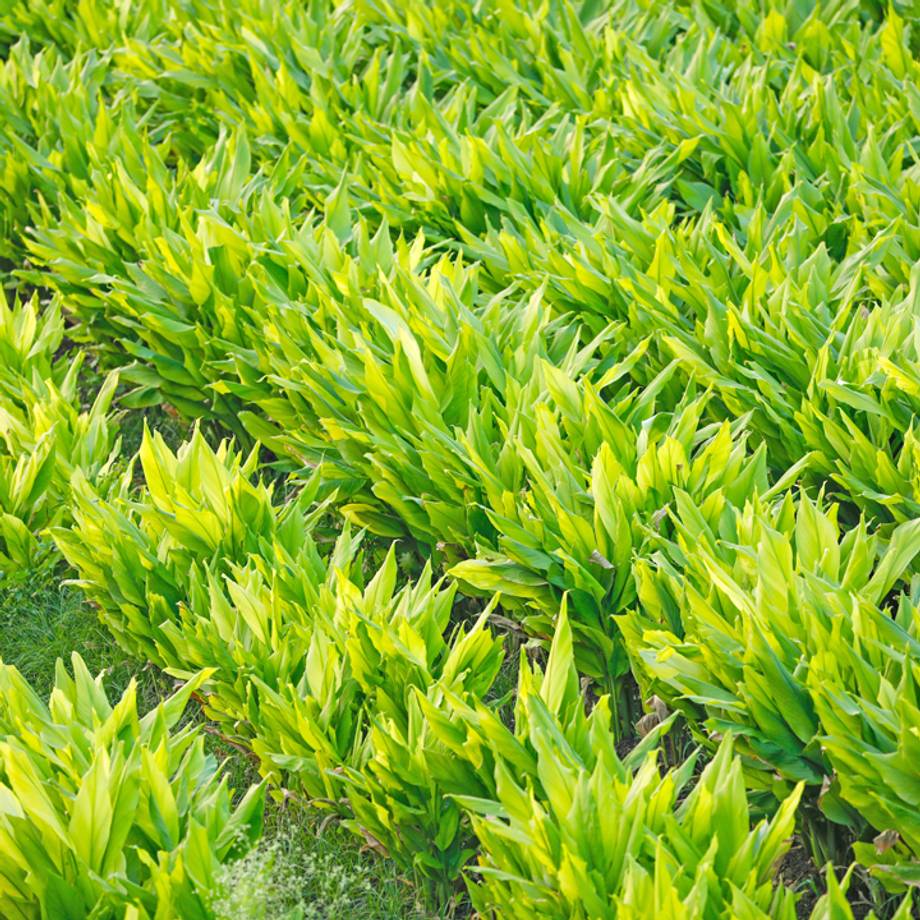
(608, 310)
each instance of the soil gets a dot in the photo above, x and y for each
(798, 872)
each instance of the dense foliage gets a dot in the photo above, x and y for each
(104, 813)
(549, 511)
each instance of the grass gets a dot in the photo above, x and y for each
(308, 870)
(42, 620)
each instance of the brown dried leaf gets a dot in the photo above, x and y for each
(886, 840)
